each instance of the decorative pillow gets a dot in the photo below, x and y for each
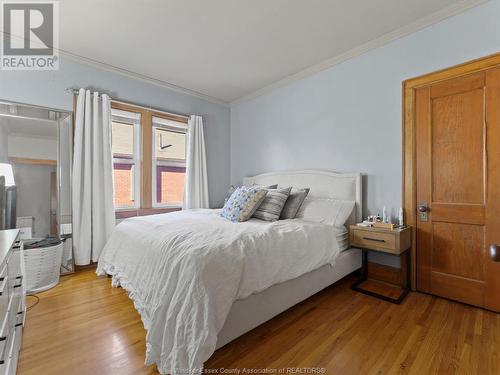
(243, 203)
(230, 192)
(271, 206)
(327, 211)
(232, 188)
(293, 203)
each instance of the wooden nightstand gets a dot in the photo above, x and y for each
(395, 241)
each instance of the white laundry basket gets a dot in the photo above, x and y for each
(42, 266)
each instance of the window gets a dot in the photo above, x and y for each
(169, 162)
(126, 158)
(149, 156)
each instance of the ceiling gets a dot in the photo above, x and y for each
(227, 49)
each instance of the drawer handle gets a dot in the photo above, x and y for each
(373, 239)
(20, 316)
(4, 350)
(20, 278)
(3, 282)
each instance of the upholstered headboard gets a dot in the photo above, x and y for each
(323, 184)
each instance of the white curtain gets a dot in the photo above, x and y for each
(196, 185)
(92, 197)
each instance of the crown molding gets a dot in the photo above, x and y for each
(387, 38)
(140, 77)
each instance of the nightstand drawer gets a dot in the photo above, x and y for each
(375, 240)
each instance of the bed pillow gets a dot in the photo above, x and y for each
(293, 203)
(232, 188)
(230, 192)
(243, 203)
(272, 205)
(275, 186)
(327, 211)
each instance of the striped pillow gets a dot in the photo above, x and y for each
(271, 206)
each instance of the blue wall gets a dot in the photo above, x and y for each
(348, 118)
(47, 88)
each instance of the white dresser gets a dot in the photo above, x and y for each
(12, 299)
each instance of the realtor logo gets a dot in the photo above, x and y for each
(30, 39)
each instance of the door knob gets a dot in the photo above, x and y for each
(423, 208)
(495, 252)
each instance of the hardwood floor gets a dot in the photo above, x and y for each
(83, 326)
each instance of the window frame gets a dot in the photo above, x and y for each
(146, 142)
(165, 162)
(136, 158)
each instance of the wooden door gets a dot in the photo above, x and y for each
(457, 121)
(492, 292)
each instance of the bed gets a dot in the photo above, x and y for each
(199, 281)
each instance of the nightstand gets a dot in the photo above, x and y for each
(396, 241)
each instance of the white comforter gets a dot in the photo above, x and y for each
(184, 270)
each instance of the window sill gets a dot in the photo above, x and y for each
(126, 213)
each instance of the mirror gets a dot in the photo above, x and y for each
(37, 142)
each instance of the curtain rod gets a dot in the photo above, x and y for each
(73, 91)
